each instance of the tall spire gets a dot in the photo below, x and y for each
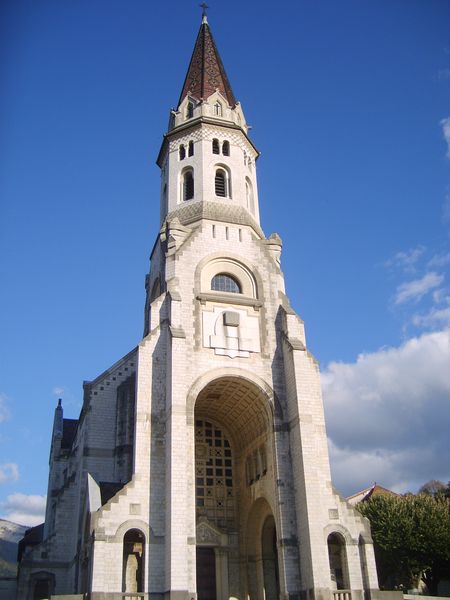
(206, 73)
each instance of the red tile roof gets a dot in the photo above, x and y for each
(206, 73)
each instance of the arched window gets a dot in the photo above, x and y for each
(220, 183)
(215, 146)
(188, 185)
(338, 562)
(182, 152)
(133, 561)
(226, 148)
(191, 148)
(217, 109)
(189, 110)
(249, 195)
(222, 282)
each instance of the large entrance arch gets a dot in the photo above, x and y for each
(234, 463)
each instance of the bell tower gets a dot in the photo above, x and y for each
(206, 155)
(198, 468)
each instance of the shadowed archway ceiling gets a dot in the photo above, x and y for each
(239, 405)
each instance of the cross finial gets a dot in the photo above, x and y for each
(204, 8)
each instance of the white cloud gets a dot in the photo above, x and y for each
(416, 289)
(25, 510)
(58, 391)
(388, 415)
(4, 412)
(406, 260)
(436, 316)
(9, 472)
(439, 260)
(445, 124)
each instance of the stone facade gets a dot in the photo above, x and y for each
(198, 467)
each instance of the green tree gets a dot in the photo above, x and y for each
(411, 536)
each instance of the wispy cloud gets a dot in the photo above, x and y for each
(439, 260)
(58, 391)
(435, 317)
(406, 260)
(9, 472)
(416, 289)
(4, 411)
(398, 401)
(24, 509)
(445, 124)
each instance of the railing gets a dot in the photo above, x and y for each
(342, 595)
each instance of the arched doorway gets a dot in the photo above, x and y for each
(338, 562)
(270, 559)
(262, 553)
(232, 427)
(133, 561)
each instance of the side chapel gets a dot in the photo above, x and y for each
(198, 467)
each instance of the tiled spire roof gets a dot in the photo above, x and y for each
(206, 73)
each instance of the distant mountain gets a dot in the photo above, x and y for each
(10, 535)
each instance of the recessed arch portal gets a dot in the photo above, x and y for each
(232, 416)
(241, 406)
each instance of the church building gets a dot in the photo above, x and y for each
(198, 467)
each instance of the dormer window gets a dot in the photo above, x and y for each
(226, 148)
(225, 283)
(217, 109)
(215, 146)
(188, 185)
(189, 110)
(182, 152)
(191, 148)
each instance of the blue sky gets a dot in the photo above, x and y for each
(350, 107)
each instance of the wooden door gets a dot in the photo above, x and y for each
(206, 574)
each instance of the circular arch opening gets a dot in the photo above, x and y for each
(240, 406)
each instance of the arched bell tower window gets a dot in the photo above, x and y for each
(188, 185)
(226, 148)
(218, 109)
(220, 183)
(189, 110)
(191, 148)
(182, 152)
(215, 146)
(249, 195)
(222, 282)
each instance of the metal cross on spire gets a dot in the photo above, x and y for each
(204, 8)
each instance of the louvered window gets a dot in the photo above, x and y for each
(191, 149)
(182, 152)
(190, 110)
(188, 191)
(215, 146)
(221, 183)
(226, 148)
